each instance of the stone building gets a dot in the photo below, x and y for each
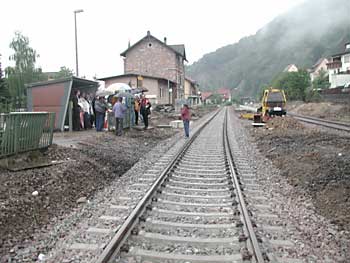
(156, 66)
(191, 92)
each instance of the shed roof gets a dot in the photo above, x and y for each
(80, 81)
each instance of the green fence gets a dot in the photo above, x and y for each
(25, 131)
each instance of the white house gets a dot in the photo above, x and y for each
(339, 68)
(291, 68)
(320, 65)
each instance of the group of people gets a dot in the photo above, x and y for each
(142, 108)
(89, 110)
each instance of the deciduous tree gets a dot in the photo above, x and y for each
(24, 71)
(4, 92)
(64, 72)
(293, 83)
(321, 81)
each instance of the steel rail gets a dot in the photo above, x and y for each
(247, 222)
(113, 247)
(326, 123)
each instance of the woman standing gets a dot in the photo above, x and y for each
(137, 109)
(185, 116)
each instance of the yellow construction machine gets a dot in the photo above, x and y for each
(273, 103)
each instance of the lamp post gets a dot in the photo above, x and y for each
(76, 40)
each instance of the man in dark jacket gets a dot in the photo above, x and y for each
(100, 112)
(76, 111)
(145, 110)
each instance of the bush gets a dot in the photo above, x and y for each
(312, 96)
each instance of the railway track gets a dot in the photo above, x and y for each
(322, 122)
(200, 209)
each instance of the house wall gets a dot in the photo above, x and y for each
(122, 79)
(163, 92)
(152, 86)
(316, 72)
(345, 59)
(151, 58)
(187, 89)
(337, 80)
(190, 89)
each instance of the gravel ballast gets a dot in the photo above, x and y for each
(75, 197)
(318, 236)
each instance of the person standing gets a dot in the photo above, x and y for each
(100, 112)
(145, 110)
(137, 109)
(91, 100)
(185, 116)
(81, 114)
(119, 110)
(76, 111)
(87, 112)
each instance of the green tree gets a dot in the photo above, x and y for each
(24, 71)
(64, 72)
(4, 91)
(294, 84)
(216, 98)
(321, 81)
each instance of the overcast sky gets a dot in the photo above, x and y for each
(105, 27)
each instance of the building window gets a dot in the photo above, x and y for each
(160, 92)
(149, 44)
(347, 59)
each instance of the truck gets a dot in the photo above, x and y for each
(273, 103)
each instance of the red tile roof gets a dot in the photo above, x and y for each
(206, 94)
(225, 92)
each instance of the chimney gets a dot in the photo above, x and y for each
(165, 40)
(148, 33)
(129, 44)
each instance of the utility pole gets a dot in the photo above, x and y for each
(76, 40)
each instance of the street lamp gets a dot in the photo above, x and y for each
(76, 40)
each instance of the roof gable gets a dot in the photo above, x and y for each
(206, 95)
(180, 49)
(177, 49)
(223, 91)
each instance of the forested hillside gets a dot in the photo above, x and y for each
(312, 30)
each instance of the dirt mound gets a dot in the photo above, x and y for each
(331, 111)
(283, 123)
(30, 199)
(312, 160)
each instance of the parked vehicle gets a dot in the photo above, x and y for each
(273, 103)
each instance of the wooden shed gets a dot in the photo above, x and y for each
(55, 95)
